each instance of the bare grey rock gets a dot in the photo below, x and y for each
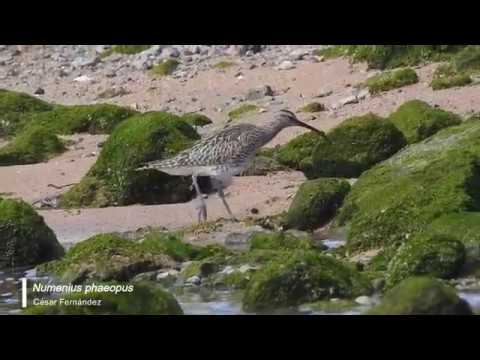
(259, 93)
(286, 65)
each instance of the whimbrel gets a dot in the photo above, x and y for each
(224, 155)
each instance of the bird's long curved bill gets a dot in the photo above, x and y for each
(319, 132)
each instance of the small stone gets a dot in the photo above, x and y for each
(228, 270)
(254, 211)
(349, 100)
(245, 268)
(83, 78)
(39, 91)
(286, 65)
(258, 93)
(364, 300)
(298, 54)
(195, 280)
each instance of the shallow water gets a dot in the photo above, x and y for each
(194, 300)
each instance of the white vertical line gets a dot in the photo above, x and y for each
(24, 292)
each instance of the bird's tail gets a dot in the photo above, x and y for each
(157, 165)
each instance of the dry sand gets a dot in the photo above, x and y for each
(269, 194)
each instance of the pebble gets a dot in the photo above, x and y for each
(83, 78)
(39, 91)
(259, 93)
(227, 270)
(364, 300)
(244, 268)
(286, 65)
(195, 280)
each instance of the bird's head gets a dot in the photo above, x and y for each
(285, 118)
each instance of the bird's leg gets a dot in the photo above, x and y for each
(202, 210)
(222, 196)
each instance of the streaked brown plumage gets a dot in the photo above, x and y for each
(225, 154)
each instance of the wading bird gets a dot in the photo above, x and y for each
(224, 155)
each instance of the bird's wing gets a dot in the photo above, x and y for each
(232, 145)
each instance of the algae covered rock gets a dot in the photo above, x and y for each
(166, 67)
(421, 296)
(25, 239)
(401, 196)
(468, 58)
(312, 107)
(391, 80)
(446, 76)
(196, 119)
(438, 256)
(355, 146)
(262, 165)
(417, 120)
(316, 202)
(464, 226)
(242, 110)
(33, 145)
(113, 180)
(392, 56)
(143, 299)
(108, 257)
(13, 105)
(297, 153)
(301, 277)
(93, 119)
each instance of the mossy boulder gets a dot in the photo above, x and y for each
(166, 67)
(108, 257)
(316, 202)
(92, 119)
(25, 239)
(400, 197)
(129, 49)
(312, 107)
(464, 226)
(13, 105)
(113, 180)
(391, 80)
(242, 110)
(33, 145)
(355, 145)
(417, 120)
(144, 299)
(196, 119)
(301, 277)
(421, 296)
(446, 76)
(280, 241)
(438, 256)
(468, 59)
(393, 56)
(263, 165)
(297, 153)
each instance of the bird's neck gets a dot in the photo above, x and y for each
(273, 128)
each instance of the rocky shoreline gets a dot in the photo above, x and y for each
(378, 219)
